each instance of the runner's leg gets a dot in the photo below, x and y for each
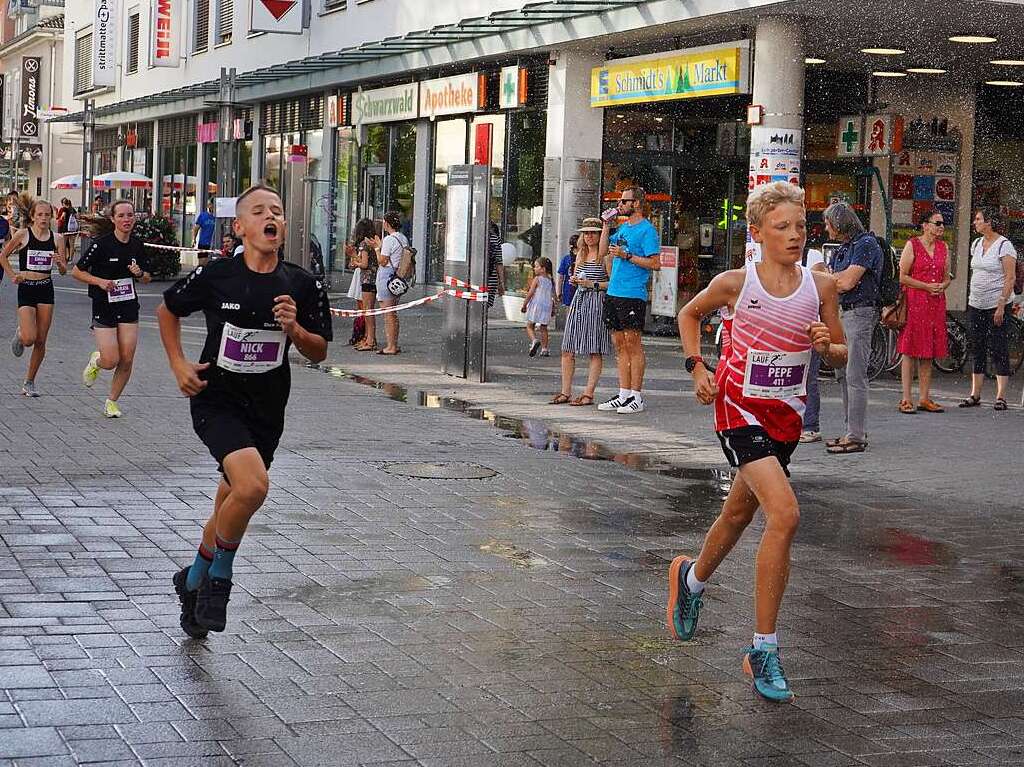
(127, 339)
(208, 545)
(769, 483)
(43, 318)
(106, 345)
(27, 325)
(737, 513)
(248, 486)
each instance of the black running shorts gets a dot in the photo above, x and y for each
(752, 443)
(225, 428)
(35, 292)
(108, 315)
(624, 313)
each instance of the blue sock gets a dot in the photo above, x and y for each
(199, 568)
(224, 558)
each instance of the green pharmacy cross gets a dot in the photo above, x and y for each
(850, 137)
(510, 89)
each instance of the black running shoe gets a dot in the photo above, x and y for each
(188, 606)
(212, 603)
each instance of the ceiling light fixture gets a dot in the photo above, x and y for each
(883, 51)
(926, 71)
(1007, 63)
(814, 61)
(889, 74)
(972, 39)
(1004, 83)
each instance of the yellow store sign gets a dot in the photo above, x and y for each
(714, 70)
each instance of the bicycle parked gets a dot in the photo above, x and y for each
(960, 346)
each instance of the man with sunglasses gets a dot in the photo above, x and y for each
(635, 251)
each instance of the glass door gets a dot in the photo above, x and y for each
(375, 187)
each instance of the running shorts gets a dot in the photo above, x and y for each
(624, 313)
(35, 292)
(226, 427)
(107, 315)
(752, 443)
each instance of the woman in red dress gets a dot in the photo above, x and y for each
(924, 277)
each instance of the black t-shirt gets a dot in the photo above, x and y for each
(246, 349)
(108, 258)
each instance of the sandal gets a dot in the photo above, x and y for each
(834, 442)
(389, 354)
(560, 399)
(971, 401)
(582, 401)
(1000, 404)
(907, 408)
(844, 448)
(930, 406)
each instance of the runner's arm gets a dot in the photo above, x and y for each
(723, 290)
(830, 328)
(312, 346)
(5, 255)
(185, 372)
(62, 256)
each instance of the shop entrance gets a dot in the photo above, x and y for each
(375, 187)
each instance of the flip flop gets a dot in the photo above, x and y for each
(971, 401)
(389, 354)
(844, 448)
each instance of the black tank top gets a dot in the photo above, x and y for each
(37, 255)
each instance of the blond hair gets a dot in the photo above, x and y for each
(764, 199)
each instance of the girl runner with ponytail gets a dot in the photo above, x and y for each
(39, 248)
(110, 267)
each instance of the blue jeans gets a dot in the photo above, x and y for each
(813, 409)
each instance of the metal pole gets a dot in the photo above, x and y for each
(88, 128)
(226, 181)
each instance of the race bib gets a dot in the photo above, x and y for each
(39, 261)
(250, 351)
(776, 375)
(124, 290)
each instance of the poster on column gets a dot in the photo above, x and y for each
(581, 190)
(551, 208)
(165, 37)
(104, 43)
(775, 155)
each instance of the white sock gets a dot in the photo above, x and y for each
(760, 640)
(692, 584)
(635, 393)
(624, 393)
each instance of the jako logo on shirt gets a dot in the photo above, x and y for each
(231, 306)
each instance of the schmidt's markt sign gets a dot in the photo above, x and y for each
(714, 70)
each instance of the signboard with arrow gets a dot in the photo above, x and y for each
(281, 16)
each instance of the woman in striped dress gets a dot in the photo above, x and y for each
(585, 331)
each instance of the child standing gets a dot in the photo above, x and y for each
(539, 305)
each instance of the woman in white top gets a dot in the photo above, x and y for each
(389, 257)
(993, 267)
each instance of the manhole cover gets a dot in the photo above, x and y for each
(440, 470)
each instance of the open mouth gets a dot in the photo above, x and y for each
(270, 230)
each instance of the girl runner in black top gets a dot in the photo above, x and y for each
(257, 306)
(110, 267)
(38, 250)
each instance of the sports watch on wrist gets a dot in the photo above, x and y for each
(692, 362)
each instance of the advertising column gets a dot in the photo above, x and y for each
(777, 114)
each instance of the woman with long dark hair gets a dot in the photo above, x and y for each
(39, 248)
(363, 233)
(110, 267)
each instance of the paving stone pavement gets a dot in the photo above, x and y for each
(380, 619)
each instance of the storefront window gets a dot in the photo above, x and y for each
(449, 149)
(178, 188)
(346, 173)
(403, 175)
(524, 193)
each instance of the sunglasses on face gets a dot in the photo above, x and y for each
(623, 200)
(937, 223)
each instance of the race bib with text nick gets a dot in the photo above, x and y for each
(250, 351)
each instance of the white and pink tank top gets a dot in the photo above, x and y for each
(762, 376)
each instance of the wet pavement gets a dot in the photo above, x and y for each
(391, 610)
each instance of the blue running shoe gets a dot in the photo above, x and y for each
(683, 606)
(765, 667)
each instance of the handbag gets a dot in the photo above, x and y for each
(397, 286)
(895, 317)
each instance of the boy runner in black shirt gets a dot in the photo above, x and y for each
(256, 307)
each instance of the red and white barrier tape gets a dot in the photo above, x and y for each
(178, 247)
(455, 282)
(474, 294)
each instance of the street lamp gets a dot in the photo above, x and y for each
(88, 128)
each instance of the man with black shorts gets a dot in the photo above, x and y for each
(257, 306)
(634, 251)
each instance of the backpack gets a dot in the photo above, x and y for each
(407, 265)
(889, 278)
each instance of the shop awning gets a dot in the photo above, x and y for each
(467, 29)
